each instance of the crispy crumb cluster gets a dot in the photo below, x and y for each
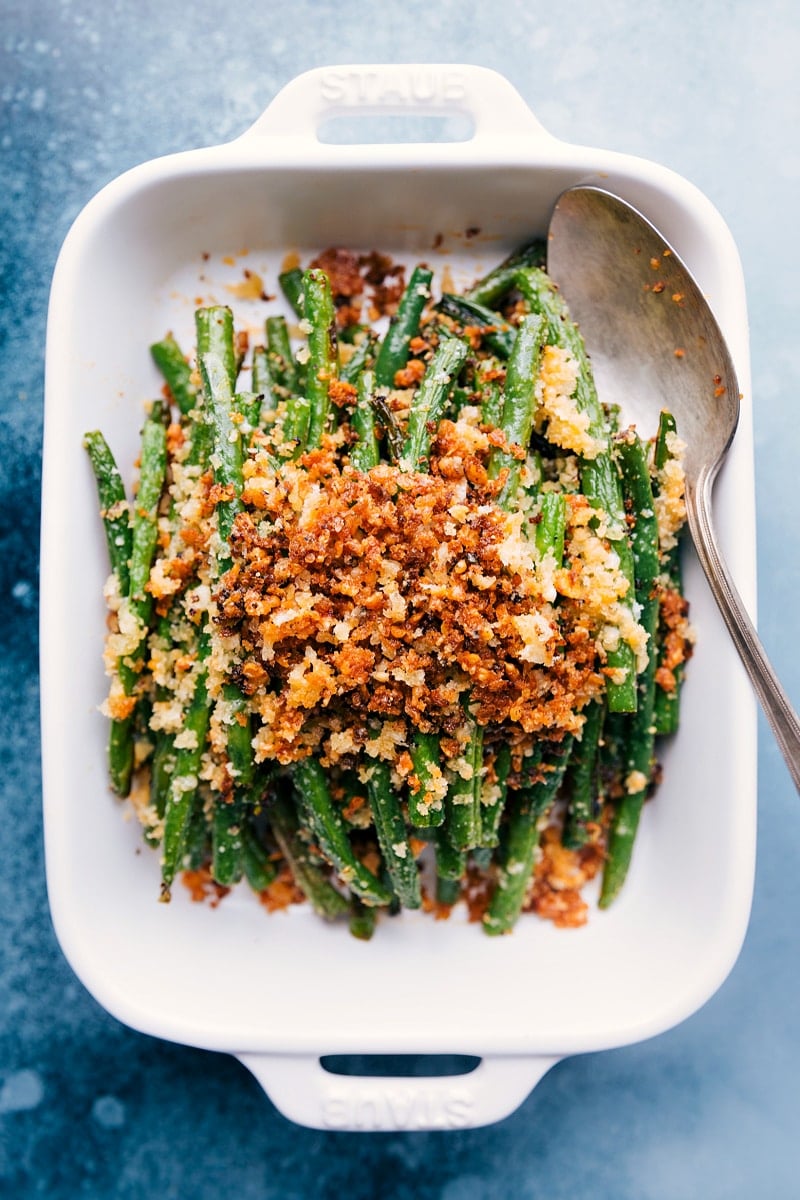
(355, 597)
(362, 284)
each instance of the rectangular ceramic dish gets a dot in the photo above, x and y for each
(280, 991)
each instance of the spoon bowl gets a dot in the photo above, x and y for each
(655, 344)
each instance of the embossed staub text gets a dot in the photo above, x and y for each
(401, 87)
(393, 1107)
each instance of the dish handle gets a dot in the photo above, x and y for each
(302, 1090)
(494, 106)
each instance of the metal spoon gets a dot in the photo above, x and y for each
(600, 253)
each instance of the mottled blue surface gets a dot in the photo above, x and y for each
(90, 1109)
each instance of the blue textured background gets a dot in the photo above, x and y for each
(90, 1109)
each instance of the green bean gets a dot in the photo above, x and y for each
(291, 284)
(230, 812)
(266, 384)
(394, 350)
(362, 920)
(464, 794)
(200, 435)
(258, 867)
(248, 405)
(227, 455)
(239, 734)
(214, 331)
(519, 404)
(171, 362)
(162, 768)
(638, 748)
(197, 843)
(387, 816)
(491, 813)
(498, 282)
(524, 809)
(114, 508)
(227, 459)
(360, 359)
(183, 788)
(261, 374)
(425, 802)
(323, 897)
(639, 495)
(666, 710)
(282, 363)
(144, 533)
(610, 754)
(214, 335)
(451, 863)
(429, 400)
(666, 427)
(388, 422)
(530, 768)
(364, 455)
(162, 763)
(582, 779)
(323, 358)
(121, 753)
(492, 406)
(551, 528)
(327, 826)
(287, 375)
(496, 333)
(516, 422)
(143, 537)
(491, 392)
(296, 421)
(227, 867)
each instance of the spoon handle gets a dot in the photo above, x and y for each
(775, 702)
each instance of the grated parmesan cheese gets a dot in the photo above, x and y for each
(567, 426)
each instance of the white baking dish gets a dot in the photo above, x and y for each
(280, 991)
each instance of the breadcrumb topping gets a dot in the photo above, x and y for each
(390, 594)
(314, 609)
